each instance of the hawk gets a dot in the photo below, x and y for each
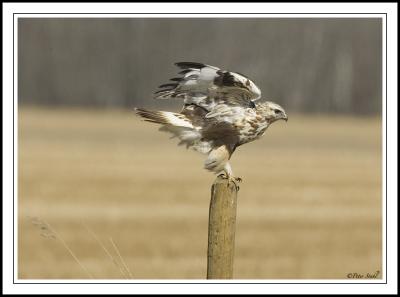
(219, 113)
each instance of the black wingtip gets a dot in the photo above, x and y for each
(185, 71)
(186, 65)
(162, 91)
(171, 85)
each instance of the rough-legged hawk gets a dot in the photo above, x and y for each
(219, 112)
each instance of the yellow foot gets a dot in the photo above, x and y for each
(231, 179)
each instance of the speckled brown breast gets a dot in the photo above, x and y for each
(251, 127)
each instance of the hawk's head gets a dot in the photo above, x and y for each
(272, 111)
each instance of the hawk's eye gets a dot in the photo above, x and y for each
(277, 111)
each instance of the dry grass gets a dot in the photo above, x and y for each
(309, 205)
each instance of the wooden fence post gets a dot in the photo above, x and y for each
(221, 229)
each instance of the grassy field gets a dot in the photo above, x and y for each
(309, 205)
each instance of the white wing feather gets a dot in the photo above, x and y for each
(208, 86)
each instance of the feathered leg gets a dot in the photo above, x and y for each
(229, 175)
(217, 162)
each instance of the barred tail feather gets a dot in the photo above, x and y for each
(165, 118)
(177, 124)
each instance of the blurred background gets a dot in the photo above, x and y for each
(93, 176)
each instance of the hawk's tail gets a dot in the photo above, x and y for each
(165, 118)
(177, 124)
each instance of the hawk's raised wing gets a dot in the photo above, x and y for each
(208, 86)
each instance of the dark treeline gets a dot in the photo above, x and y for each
(307, 65)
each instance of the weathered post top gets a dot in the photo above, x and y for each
(221, 229)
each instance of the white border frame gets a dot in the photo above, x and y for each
(284, 10)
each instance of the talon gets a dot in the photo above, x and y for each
(222, 175)
(234, 180)
(238, 179)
